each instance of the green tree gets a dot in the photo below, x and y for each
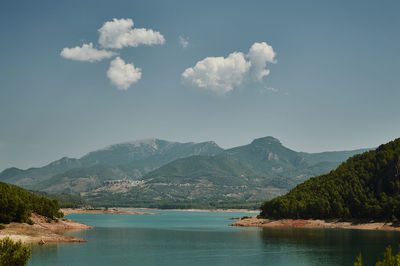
(13, 253)
(359, 260)
(389, 259)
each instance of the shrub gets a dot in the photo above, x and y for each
(13, 253)
(389, 259)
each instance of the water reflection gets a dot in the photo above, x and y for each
(328, 246)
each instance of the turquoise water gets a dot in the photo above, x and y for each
(204, 238)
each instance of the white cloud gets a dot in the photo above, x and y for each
(259, 55)
(218, 74)
(86, 53)
(271, 89)
(268, 89)
(221, 75)
(122, 74)
(120, 33)
(183, 42)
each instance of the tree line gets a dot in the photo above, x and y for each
(17, 204)
(365, 186)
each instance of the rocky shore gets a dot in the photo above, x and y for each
(43, 230)
(300, 223)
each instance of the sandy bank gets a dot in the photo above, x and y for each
(49, 232)
(299, 223)
(110, 211)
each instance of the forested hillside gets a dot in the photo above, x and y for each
(365, 186)
(16, 204)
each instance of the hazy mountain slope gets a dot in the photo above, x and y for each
(255, 172)
(218, 169)
(171, 171)
(28, 178)
(330, 156)
(161, 151)
(80, 179)
(260, 170)
(267, 155)
(365, 186)
(196, 178)
(133, 159)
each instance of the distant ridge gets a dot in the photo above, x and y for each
(168, 171)
(134, 158)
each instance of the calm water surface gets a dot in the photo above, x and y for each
(204, 238)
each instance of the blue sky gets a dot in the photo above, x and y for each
(333, 81)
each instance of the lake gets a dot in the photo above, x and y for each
(204, 238)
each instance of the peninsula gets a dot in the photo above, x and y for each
(316, 223)
(43, 230)
(31, 218)
(362, 193)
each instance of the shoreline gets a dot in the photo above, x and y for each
(301, 223)
(191, 210)
(43, 231)
(67, 211)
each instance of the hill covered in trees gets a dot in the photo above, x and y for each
(16, 204)
(365, 186)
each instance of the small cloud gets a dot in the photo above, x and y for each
(183, 42)
(123, 75)
(259, 54)
(267, 89)
(218, 74)
(271, 89)
(86, 53)
(120, 33)
(222, 75)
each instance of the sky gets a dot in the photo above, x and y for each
(76, 76)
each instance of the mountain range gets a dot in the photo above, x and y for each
(155, 170)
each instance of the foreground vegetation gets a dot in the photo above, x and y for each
(366, 186)
(13, 253)
(389, 259)
(65, 200)
(17, 204)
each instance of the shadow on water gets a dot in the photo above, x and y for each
(328, 246)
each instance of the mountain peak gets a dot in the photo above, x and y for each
(9, 172)
(266, 141)
(213, 143)
(63, 160)
(136, 143)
